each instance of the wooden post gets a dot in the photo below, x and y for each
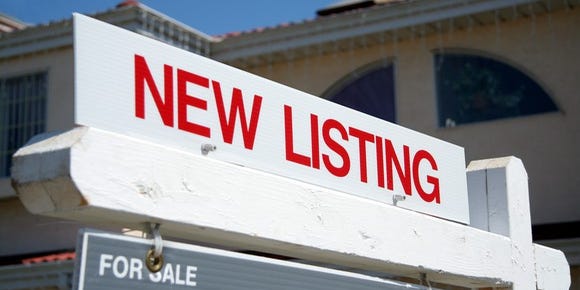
(96, 176)
(499, 191)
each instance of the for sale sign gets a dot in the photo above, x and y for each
(112, 261)
(129, 84)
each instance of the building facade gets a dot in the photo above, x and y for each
(496, 77)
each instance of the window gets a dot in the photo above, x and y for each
(22, 114)
(369, 90)
(474, 88)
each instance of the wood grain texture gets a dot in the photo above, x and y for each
(104, 176)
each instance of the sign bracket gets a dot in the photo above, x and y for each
(154, 257)
(207, 201)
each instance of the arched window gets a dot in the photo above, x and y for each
(369, 90)
(473, 88)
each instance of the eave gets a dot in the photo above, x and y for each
(138, 18)
(372, 26)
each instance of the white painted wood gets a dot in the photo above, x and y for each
(509, 212)
(552, 270)
(497, 201)
(96, 176)
(477, 192)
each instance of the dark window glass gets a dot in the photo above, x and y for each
(473, 89)
(22, 114)
(371, 92)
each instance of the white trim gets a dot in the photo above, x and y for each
(81, 260)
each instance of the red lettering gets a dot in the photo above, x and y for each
(289, 140)
(334, 134)
(237, 108)
(315, 141)
(143, 76)
(363, 137)
(380, 164)
(184, 100)
(433, 195)
(336, 147)
(391, 158)
(392, 165)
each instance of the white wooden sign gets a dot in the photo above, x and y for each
(132, 85)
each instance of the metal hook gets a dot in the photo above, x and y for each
(154, 256)
(424, 280)
(157, 240)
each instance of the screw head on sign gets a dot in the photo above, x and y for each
(206, 148)
(397, 198)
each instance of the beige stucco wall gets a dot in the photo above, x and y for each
(24, 233)
(59, 65)
(20, 231)
(545, 47)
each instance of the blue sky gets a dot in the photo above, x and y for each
(213, 17)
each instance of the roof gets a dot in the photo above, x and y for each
(345, 5)
(55, 275)
(9, 23)
(341, 7)
(358, 26)
(59, 257)
(385, 22)
(130, 15)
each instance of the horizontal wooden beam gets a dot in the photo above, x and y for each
(95, 176)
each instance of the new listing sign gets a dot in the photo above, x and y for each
(132, 85)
